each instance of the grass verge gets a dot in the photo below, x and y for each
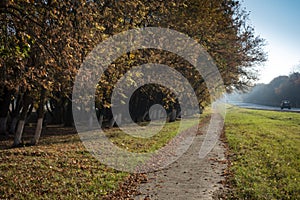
(61, 168)
(264, 149)
(146, 145)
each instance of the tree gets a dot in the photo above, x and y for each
(45, 63)
(41, 53)
(221, 27)
(280, 88)
(14, 48)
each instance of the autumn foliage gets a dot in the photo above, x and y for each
(43, 43)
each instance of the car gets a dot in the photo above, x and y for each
(285, 104)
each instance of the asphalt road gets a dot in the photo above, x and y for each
(262, 107)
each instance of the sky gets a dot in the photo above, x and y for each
(278, 22)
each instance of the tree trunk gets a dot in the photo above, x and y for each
(13, 125)
(100, 120)
(40, 116)
(172, 116)
(90, 122)
(55, 107)
(19, 132)
(38, 131)
(119, 120)
(27, 100)
(29, 113)
(111, 122)
(3, 122)
(16, 109)
(4, 108)
(69, 115)
(146, 116)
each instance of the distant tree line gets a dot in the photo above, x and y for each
(43, 43)
(280, 88)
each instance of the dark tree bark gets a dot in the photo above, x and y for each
(15, 114)
(172, 115)
(68, 120)
(27, 100)
(40, 118)
(5, 100)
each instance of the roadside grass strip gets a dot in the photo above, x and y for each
(264, 154)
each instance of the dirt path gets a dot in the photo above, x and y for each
(189, 177)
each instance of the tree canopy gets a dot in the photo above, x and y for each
(44, 42)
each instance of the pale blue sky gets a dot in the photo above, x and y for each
(277, 21)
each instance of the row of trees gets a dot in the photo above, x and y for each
(280, 88)
(43, 43)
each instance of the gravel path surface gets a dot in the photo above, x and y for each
(189, 177)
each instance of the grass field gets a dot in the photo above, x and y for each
(264, 154)
(58, 168)
(61, 168)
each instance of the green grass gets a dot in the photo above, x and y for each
(264, 153)
(61, 168)
(145, 145)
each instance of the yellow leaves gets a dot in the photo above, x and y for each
(121, 20)
(29, 1)
(99, 27)
(131, 56)
(107, 105)
(107, 12)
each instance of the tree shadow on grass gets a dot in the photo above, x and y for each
(50, 135)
